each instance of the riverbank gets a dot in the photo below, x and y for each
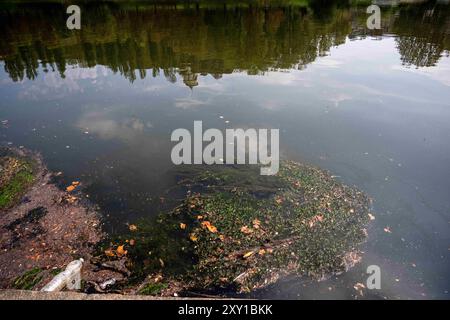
(43, 228)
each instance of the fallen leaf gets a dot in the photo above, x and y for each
(193, 237)
(132, 227)
(75, 183)
(387, 230)
(210, 227)
(256, 223)
(246, 230)
(248, 254)
(120, 251)
(261, 252)
(109, 253)
(183, 226)
(161, 262)
(317, 218)
(70, 188)
(358, 287)
(279, 200)
(371, 216)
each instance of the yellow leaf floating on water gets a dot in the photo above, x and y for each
(193, 237)
(132, 227)
(120, 251)
(209, 226)
(183, 226)
(248, 254)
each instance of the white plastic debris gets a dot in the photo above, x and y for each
(69, 278)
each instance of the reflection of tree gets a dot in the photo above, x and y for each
(423, 34)
(188, 42)
(192, 41)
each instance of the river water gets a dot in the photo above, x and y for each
(372, 107)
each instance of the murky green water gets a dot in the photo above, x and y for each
(371, 107)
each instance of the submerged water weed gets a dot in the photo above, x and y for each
(239, 230)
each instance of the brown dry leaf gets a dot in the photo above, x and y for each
(261, 252)
(70, 188)
(279, 200)
(193, 237)
(183, 226)
(358, 287)
(246, 230)
(120, 251)
(210, 227)
(132, 227)
(256, 223)
(317, 218)
(199, 217)
(109, 253)
(71, 199)
(75, 183)
(248, 254)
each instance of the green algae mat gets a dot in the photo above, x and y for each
(240, 231)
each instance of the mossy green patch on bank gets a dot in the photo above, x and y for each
(153, 288)
(28, 280)
(16, 176)
(242, 231)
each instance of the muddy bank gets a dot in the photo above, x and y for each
(237, 231)
(42, 228)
